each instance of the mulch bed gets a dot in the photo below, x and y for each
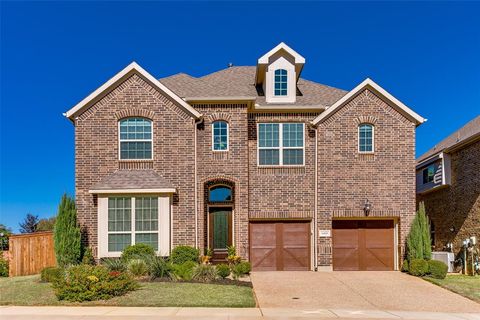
(242, 283)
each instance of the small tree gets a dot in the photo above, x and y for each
(66, 234)
(418, 240)
(4, 235)
(46, 224)
(29, 224)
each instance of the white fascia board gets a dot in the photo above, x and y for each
(233, 98)
(298, 58)
(369, 83)
(288, 107)
(125, 191)
(427, 161)
(130, 69)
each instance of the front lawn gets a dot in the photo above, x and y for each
(466, 286)
(28, 291)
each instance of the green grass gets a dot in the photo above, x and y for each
(466, 286)
(28, 291)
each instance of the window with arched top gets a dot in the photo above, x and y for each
(220, 193)
(280, 82)
(220, 136)
(135, 139)
(365, 137)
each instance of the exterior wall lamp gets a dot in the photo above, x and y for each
(367, 207)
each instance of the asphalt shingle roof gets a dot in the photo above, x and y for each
(133, 179)
(469, 130)
(239, 81)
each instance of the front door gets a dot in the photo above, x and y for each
(220, 232)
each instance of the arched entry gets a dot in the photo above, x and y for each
(219, 200)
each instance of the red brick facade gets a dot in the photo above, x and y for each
(345, 177)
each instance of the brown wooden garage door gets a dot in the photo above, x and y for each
(363, 245)
(280, 245)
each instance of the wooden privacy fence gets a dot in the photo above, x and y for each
(30, 253)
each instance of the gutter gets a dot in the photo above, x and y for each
(195, 123)
(315, 219)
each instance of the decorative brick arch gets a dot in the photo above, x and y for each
(134, 112)
(217, 116)
(366, 119)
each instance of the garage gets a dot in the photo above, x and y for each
(280, 245)
(363, 245)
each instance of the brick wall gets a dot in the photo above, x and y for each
(346, 178)
(457, 205)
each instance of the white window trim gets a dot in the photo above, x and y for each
(373, 138)
(280, 146)
(213, 136)
(432, 165)
(275, 82)
(164, 224)
(134, 140)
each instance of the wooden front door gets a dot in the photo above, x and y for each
(220, 232)
(363, 245)
(280, 245)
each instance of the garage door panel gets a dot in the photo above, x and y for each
(345, 259)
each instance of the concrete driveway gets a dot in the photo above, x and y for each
(355, 290)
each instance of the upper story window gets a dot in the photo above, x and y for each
(428, 174)
(220, 136)
(280, 82)
(220, 194)
(365, 138)
(281, 144)
(135, 139)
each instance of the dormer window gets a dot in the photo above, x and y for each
(281, 82)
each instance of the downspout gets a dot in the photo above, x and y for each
(196, 123)
(315, 219)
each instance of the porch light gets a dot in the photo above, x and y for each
(366, 207)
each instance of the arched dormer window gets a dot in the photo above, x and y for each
(220, 136)
(365, 137)
(135, 139)
(220, 193)
(280, 82)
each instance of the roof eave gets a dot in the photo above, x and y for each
(126, 191)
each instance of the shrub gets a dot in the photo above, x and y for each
(182, 254)
(204, 273)
(158, 267)
(114, 264)
(241, 269)
(223, 270)
(437, 269)
(66, 233)
(418, 240)
(183, 271)
(3, 266)
(51, 274)
(89, 283)
(88, 257)
(231, 251)
(138, 251)
(405, 266)
(418, 267)
(137, 267)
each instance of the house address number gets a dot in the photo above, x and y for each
(325, 233)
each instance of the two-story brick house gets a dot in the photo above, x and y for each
(448, 182)
(297, 175)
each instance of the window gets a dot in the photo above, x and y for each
(280, 144)
(428, 174)
(220, 194)
(122, 232)
(135, 139)
(220, 136)
(365, 137)
(280, 82)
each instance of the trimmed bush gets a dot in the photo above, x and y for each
(223, 270)
(204, 273)
(3, 266)
(88, 256)
(66, 234)
(437, 269)
(418, 267)
(158, 267)
(241, 269)
(89, 283)
(405, 266)
(138, 251)
(418, 240)
(137, 267)
(114, 264)
(183, 271)
(182, 254)
(51, 274)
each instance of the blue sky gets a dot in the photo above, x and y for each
(53, 54)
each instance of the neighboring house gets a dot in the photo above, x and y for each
(296, 174)
(448, 182)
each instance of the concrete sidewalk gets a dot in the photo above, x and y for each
(147, 313)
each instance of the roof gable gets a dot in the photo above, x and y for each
(370, 84)
(132, 68)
